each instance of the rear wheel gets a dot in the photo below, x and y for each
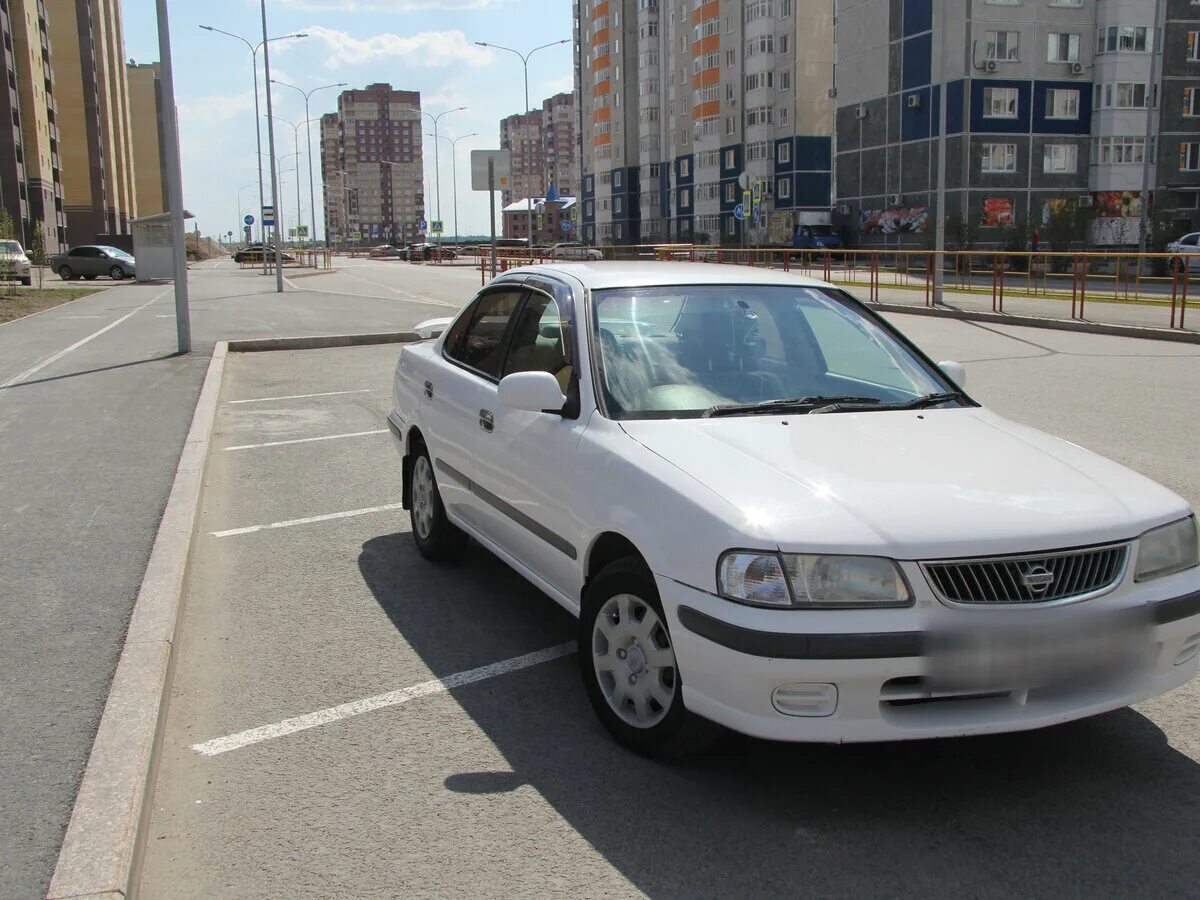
(65, 273)
(436, 537)
(116, 273)
(628, 665)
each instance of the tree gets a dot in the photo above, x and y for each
(7, 233)
(37, 251)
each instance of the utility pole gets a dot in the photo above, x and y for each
(1151, 130)
(183, 321)
(939, 80)
(271, 151)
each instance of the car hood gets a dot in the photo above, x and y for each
(912, 485)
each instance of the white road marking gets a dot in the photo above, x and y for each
(33, 370)
(327, 517)
(81, 317)
(221, 745)
(328, 437)
(408, 295)
(300, 396)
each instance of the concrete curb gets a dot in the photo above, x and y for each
(99, 852)
(1133, 331)
(319, 342)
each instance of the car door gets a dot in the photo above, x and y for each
(77, 259)
(457, 389)
(524, 465)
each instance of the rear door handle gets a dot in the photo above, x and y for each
(486, 421)
(429, 390)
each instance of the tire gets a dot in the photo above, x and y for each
(116, 273)
(27, 280)
(437, 539)
(65, 273)
(628, 665)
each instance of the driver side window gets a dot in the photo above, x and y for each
(537, 341)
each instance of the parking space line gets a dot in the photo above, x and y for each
(300, 396)
(241, 739)
(327, 437)
(327, 517)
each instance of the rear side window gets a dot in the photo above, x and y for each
(477, 339)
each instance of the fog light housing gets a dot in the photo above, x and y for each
(811, 700)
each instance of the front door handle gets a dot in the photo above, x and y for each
(486, 421)
(429, 390)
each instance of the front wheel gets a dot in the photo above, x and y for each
(65, 273)
(436, 536)
(628, 665)
(116, 273)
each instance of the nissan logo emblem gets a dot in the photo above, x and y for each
(1037, 579)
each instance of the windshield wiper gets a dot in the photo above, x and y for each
(916, 403)
(783, 404)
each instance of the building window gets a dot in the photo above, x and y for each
(731, 226)
(616, 178)
(1000, 103)
(999, 157)
(1062, 47)
(685, 197)
(759, 115)
(1059, 159)
(685, 168)
(759, 80)
(729, 59)
(758, 150)
(731, 192)
(617, 206)
(1193, 46)
(1122, 38)
(1189, 157)
(729, 125)
(783, 44)
(784, 153)
(1062, 104)
(1002, 46)
(784, 191)
(1121, 95)
(1118, 151)
(763, 44)
(785, 8)
(1191, 102)
(759, 9)
(785, 80)
(730, 158)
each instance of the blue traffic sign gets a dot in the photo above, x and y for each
(249, 220)
(422, 225)
(566, 225)
(739, 212)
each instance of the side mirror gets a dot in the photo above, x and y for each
(955, 371)
(532, 391)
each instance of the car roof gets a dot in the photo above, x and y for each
(616, 274)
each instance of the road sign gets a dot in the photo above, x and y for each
(249, 220)
(501, 167)
(739, 212)
(302, 231)
(435, 227)
(744, 180)
(268, 215)
(758, 190)
(422, 226)
(747, 200)
(355, 236)
(566, 225)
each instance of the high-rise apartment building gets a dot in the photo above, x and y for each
(687, 104)
(542, 142)
(30, 183)
(145, 116)
(373, 172)
(91, 93)
(1049, 104)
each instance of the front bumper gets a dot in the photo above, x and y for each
(844, 684)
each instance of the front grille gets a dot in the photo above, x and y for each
(1043, 578)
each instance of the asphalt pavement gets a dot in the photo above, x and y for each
(308, 751)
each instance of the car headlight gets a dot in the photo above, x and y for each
(803, 581)
(1167, 550)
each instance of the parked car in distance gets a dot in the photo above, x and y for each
(387, 251)
(574, 250)
(14, 263)
(770, 510)
(1186, 250)
(92, 260)
(427, 250)
(254, 253)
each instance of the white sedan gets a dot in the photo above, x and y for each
(769, 510)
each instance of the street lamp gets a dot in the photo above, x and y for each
(454, 172)
(437, 176)
(308, 135)
(296, 141)
(525, 63)
(254, 48)
(279, 199)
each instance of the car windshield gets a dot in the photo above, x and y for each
(823, 230)
(681, 352)
(10, 247)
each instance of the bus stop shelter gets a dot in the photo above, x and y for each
(153, 248)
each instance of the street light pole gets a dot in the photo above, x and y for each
(271, 149)
(174, 182)
(296, 144)
(437, 174)
(454, 173)
(308, 135)
(939, 225)
(524, 57)
(254, 48)
(1151, 128)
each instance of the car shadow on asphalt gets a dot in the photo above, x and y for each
(1098, 808)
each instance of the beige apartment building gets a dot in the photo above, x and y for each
(30, 182)
(91, 93)
(683, 102)
(372, 168)
(145, 118)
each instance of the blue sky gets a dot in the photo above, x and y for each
(424, 45)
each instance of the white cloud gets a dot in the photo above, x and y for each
(386, 6)
(565, 84)
(428, 48)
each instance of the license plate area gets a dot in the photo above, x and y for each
(1006, 650)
